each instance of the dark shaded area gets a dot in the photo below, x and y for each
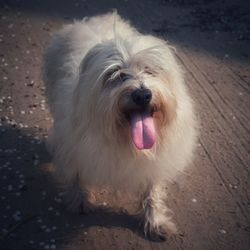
(177, 20)
(27, 187)
(220, 16)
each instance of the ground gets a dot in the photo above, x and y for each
(210, 202)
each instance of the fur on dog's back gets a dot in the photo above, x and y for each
(82, 149)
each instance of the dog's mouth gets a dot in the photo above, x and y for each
(142, 126)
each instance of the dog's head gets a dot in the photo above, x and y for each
(127, 96)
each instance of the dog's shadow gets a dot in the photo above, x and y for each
(33, 207)
(109, 217)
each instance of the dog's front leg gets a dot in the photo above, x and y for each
(78, 198)
(157, 216)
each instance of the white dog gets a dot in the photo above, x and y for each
(122, 115)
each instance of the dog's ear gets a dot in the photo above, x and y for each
(90, 58)
(98, 54)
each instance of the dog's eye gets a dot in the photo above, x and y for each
(148, 71)
(110, 75)
(124, 76)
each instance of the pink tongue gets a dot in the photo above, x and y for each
(143, 130)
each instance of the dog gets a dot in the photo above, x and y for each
(123, 116)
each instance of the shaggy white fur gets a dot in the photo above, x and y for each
(91, 69)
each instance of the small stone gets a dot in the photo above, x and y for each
(58, 200)
(53, 246)
(36, 162)
(194, 200)
(39, 220)
(222, 231)
(17, 216)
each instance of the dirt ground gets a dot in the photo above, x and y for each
(211, 203)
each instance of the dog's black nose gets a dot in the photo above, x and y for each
(141, 96)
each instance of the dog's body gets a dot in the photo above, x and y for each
(122, 114)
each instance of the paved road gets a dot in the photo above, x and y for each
(211, 202)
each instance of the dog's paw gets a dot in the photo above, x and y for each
(160, 230)
(86, 207)
(76, 202)
(81, 207)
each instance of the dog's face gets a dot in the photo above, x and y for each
(130, 100)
